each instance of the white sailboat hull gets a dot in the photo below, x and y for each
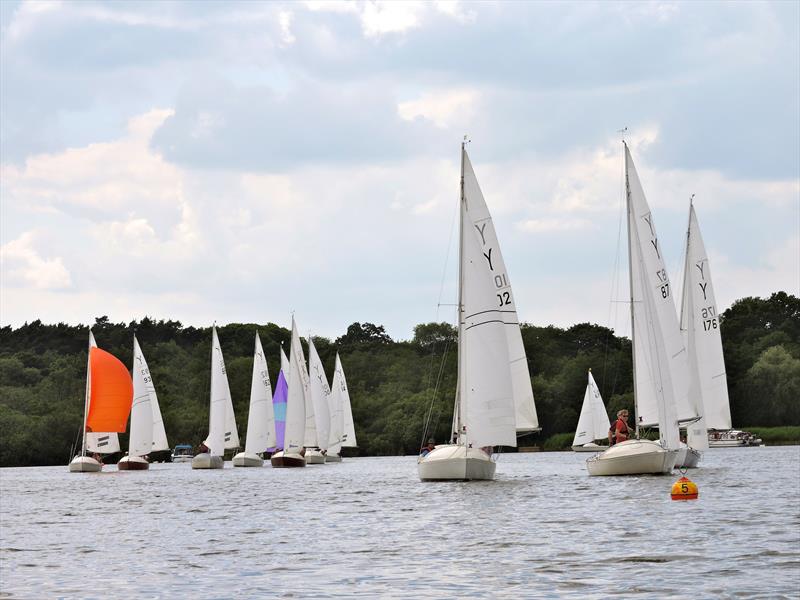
(456, 463)
(590, 447)
(243, 459)
(688, 458)
(84, 464)
(207, 461)
(633, 457)
(314, 457)
(331, 458)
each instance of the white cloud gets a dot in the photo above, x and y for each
(444, 108)
(554, 225)
(22, 265)
(381, 17)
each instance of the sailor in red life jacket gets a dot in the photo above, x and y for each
(619, 431)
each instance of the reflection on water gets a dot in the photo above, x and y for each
(368, 527)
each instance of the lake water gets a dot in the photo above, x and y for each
(369, 528)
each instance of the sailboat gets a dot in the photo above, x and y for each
(593, 423)
(319, 392)
(107, 404)
(660, 368)
(494, 400)
(708, 386)
(261, 419)
(222, 432)
(147, 426)
(343, 434)
(292, 454)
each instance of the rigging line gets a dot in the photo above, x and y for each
(615, 277)
(433, 346)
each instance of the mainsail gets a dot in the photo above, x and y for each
(220, 432)
(296, 403)
(140, 442)
(261, 419)
(505, 307)
(319, 392)
(593, 423)
(660, 362)
(485, 414)
(708, 386)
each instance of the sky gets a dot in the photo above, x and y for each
(240, 162)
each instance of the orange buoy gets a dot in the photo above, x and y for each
(684, 489)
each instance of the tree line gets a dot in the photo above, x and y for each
(395, 386)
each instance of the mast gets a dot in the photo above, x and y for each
(684, 299)
(88, 391)
(460, 374)
(630, 286)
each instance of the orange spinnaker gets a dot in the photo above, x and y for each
(112, 393)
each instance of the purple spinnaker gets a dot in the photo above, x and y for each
(279, 407)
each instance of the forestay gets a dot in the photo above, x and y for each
(261, 418)
(525, 409)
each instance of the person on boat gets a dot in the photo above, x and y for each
(428, 449)
(619, 431)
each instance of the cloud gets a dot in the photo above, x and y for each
(554, 225)
(24, 266)
(218, 124)
(443, 108)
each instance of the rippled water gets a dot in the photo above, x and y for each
(368, 527)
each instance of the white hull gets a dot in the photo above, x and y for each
(331, 458)
(590, 447)
(450, 462)
(243, 459)
(633, 457)
(688, 458)
(183, 458)
(84, 464)
(314, 457)
(206, 461)
(733, 444)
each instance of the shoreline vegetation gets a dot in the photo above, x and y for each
(770, 436)
(394, 385)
